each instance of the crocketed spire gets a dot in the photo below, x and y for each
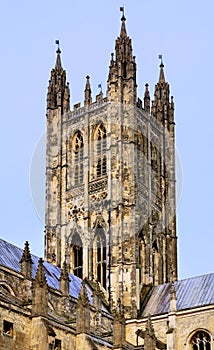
(26, 262)
(162, 108)
(123, 26)
(161, 76)
(58, 64)
(122, 70)
(26, 256)
(40, 278)
(58, 89)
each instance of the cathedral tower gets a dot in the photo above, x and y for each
(110, 181)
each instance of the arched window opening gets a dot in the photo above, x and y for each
(201, 341)
(78, 158)
(101, 143)
(155, 169)
(142, 160)
(142, 256)
(100, 256)
(77, 255)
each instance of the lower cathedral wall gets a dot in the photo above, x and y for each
(186, 324)
(15, 330)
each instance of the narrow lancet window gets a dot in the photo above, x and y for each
(100, 139)
(155, 169)
(77, 255)
(78, 158)
(99, 252)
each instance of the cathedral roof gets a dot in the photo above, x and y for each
(11, 255)
(190, 293)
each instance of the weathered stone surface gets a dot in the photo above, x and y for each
(110, 220)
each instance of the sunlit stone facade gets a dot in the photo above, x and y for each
(109, 279)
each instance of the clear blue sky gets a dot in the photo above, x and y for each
(181, 30)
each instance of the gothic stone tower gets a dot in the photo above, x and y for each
(110, 181)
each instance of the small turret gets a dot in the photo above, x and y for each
(58, 89)
(122, 71)
(40, 279)
(26, 262)
(58, 106)
(162, 107)
(40, 292)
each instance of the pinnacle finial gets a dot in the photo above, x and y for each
(123, 18)
(58, 47)
(123, 26)
(40, 274)
(58, 59)
(87, 91)
(161, 60)
(26, 262)
(162, 77)
(26, 256)
(87, 85)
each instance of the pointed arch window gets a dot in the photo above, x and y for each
(141, 256)
(201, 341)
(101, 144)
(155, 167)
(78, 158)
(99, 258)
(142, 158)
(77, 255)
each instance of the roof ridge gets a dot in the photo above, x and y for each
(193, 277)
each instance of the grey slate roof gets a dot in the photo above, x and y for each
(191, 293)
(10, 257)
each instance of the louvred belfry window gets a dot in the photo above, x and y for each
(78, 158)
(100, 139)
(77, 255)
(99, 249)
